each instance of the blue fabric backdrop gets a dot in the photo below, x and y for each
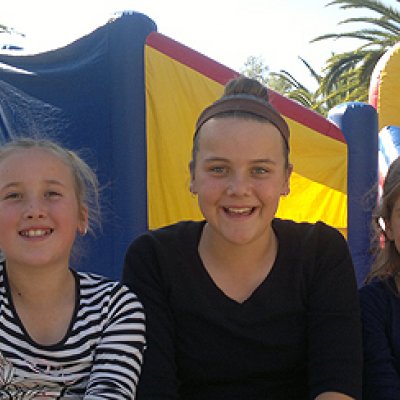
(89, 96)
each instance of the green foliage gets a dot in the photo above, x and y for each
(345, 76)
(286, 84)
(254, 67)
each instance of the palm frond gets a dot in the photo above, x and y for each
(383, 23)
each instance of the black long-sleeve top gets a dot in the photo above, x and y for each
(380, 310)
(296, 336)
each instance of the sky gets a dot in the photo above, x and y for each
(228, 31)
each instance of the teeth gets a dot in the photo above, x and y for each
(35, 232)
(243, 210)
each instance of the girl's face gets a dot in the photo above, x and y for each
(39, 210)
(393, 225)
(239, 176)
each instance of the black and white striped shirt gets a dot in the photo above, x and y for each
(100, 356)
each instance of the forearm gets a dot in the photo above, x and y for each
(119, 352)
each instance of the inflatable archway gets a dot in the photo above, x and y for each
(130, 96)
(385, 88)
(384, 96)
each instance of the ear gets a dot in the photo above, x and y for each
(286, 186)
(83, 221)
(192, 179)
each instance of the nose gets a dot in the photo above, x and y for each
(34, 209)
(238, 185)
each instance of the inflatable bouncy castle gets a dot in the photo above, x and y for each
(384, 96)
(128, 98)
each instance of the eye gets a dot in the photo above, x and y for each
(52, 194)
(219, 170)
(12, 196)
(259, 171)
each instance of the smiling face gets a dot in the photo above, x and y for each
(239, 175)
(39, 210)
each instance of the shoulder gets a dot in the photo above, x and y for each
(378, 292)
(317, 250)
(175, 235)
(176, 231)
(89, 280)
(157, 256)
(97, 286)
(305, 232)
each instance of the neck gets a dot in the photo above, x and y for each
(39, 284)
(243, 257)
(238, 269)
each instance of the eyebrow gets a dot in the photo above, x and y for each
(17, 183)
(9, 185)
(54, 182)
(212, 159)
(263, 160)
(255, 161)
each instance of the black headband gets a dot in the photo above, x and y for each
(247, 104)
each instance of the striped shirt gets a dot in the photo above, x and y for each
(100, 356)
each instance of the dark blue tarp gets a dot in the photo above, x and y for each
(89, 96)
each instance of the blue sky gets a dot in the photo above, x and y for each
(228, 31)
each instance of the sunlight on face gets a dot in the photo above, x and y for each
(39, 211)
(239, 176)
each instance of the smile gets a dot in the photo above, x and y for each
(239, 211)
(35, 232)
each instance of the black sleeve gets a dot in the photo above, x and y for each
(381, 380)
(142, 273)
(335, 345)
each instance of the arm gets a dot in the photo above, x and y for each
(119, 353)
(142, 272)
(335, 345)
(381, 379)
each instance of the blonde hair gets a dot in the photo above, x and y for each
(85, 180)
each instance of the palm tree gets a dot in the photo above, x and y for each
(346, 75)
(295, 90)
(286, 84)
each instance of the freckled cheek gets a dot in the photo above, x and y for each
(210, 187)
(9, 227)
(265, 189)
(8, 214)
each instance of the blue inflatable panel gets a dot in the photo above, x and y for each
(90, 96)
(359, 124)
